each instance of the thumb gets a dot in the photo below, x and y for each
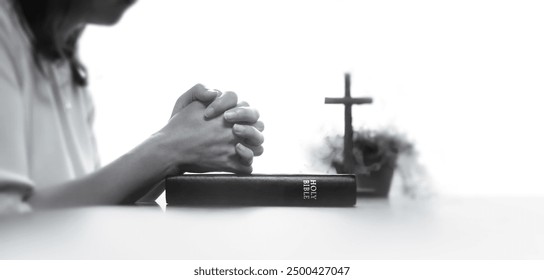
(197, 93)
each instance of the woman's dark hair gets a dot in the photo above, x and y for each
(43, 20)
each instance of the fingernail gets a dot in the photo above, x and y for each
(229, 115)
(237, 128)
(216, 92)
(209, 112)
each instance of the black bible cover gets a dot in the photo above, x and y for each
(261, 190)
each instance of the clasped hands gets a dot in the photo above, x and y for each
(210, 131)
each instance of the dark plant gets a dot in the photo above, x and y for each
(372, 149)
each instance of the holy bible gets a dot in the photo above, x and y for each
(261, 190)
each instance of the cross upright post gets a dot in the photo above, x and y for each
(348, 101)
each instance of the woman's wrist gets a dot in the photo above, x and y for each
(159, 155)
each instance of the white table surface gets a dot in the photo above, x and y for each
(438, 228)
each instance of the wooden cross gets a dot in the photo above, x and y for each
(347, 100)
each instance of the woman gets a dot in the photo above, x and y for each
(47, 148)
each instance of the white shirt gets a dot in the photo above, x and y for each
(46, 135)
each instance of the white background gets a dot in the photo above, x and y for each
(463, 79)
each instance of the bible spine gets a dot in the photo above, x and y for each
(261, 190)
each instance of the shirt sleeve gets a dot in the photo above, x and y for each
(14, 177)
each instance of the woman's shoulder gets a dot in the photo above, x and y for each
(15, 47)
(11, 30)
(6, 15)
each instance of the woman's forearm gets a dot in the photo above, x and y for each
(132, 174)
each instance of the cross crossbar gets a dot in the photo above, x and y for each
(349, 100)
